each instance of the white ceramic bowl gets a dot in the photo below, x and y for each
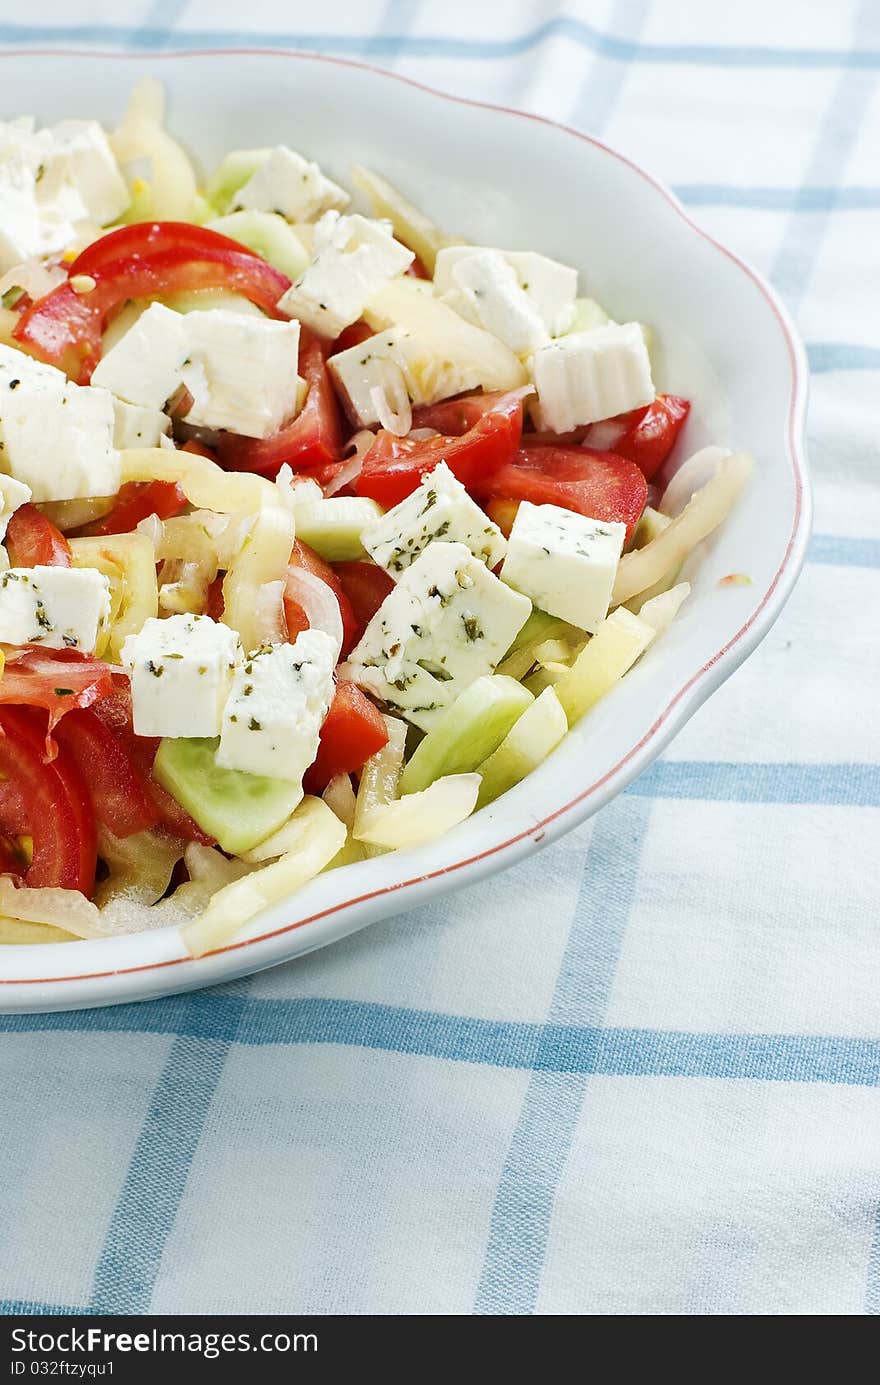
(725, 341)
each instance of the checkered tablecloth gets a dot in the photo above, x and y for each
(637, 1074)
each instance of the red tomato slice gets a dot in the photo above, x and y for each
(353, 731)
(455, 416)
(147, 260)
(313, 439)
(599, 484)
(57, 680)
(136, 501)
(32, 540)
(115, 713)
(117, 794)
(351, 336)
(394, 466)
(305, 557)
(650, 434)
(214, 606)
(47, 801)
(366, 585)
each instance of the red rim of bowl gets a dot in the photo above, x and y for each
(789, 566)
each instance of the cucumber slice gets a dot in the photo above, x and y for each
(649, 526)
(269, 235)
(333, 527)
(614, 648)
(238, 809)
(538, 731)
(232, 174)
(538, 629)
(587, 315)
(468, 732)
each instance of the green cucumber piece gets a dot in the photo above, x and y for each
(587, 315)
(468, 732)
(529, 741)
(333, 527)
(235, 170)
(267, 234)
(238, 809)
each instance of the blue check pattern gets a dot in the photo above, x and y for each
(639, 1073)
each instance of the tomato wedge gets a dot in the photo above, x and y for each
(312, 440)
(119, 799)
(47, 801)
(56, 680)
(455, 416)
(351, 336)
(297, 621)
(115, 713)
(394, 466)
(32, 540)
(147, 260)
(136, 501)
(353, 730)
(650, 434)
(366, 585)
(599, 484)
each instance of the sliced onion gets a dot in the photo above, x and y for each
(392, 405)
(153, 528)
(660, 611)
(703, 513)
(270, 626)
(604, 435)
(140, 866)
(340, 797)
(351, 469)
(421, 434)
(691, 476)
(33, 277)
(317, 601)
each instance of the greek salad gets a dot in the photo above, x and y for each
(320, 526)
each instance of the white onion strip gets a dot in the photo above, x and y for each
(351, 468)
(317, 601)
(693, 474)
(702, 514)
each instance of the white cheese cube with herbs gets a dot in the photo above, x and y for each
(134, 426)
(354, 257)
(144, 366)
(32, 223)
(291, 185)
(56, 607)
(82, 157)
(448, 622)
(589, 376)
(241, 372)
(279, 699)
(487, 292)
(438, 509)
(550, 287)
(565, 562)
(181, 670)
(55, 437)
(13, 494)
(379, 364)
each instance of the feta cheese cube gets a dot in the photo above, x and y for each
(588, 376)
(29, 225)
(81, 155)
(134, 426)
(241, 371)
(565, 562)
(550, 287)
(57, 607)
(354, 258)
(279, 699)
(447, 622)
(181, 670)
(486, 291)
(439, 508)
(294, 187)
(144, 367)
(55, 437)
(13, 494)
(379, 364)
